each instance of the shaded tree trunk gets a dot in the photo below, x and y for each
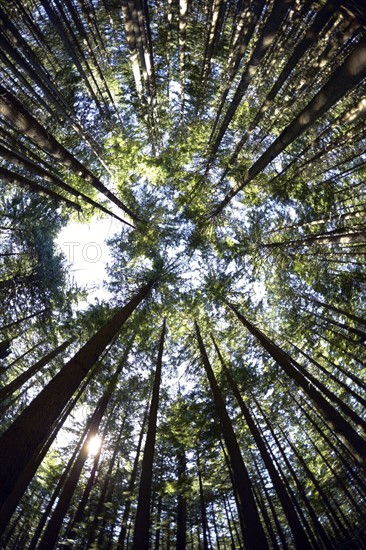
(131, 486)
(297, 529)
(253, 532)
(12, 109)
(31, 429)
(142, 521)
(36, 367)
(355, 443)
(181, 504)
(350, 73)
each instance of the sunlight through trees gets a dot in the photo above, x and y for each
(212, 393)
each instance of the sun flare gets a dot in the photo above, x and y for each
(94, 445)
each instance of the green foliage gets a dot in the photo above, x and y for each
(275, 251)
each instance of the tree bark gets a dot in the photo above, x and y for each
(252, 528)
(36, 367)
(354, 442)
(142, 521)
(131, 486)
(297, 529)
(34, 168)
(24, 477)
(14, 111)
(350, 73)
(181, 504)
(31, 428)
(19, 321)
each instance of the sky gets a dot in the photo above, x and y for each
(87, 253)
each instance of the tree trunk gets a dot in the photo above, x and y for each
(131, 486)
(181, 504)
(56, 492)
(12, 109)
(321, 18)
(319, 530)
(253, 532)
(52, 530)
(13, 177)
(25, 376)
(279, 528)
(297, 529)
(19, 321)
(20, 160)
(24, 477)
(350, 73)
(345, 431)
(30, 430)
(202, 504)
(278, 12)
(142, 521)
(338, 310)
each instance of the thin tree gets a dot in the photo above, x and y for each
(142, 521)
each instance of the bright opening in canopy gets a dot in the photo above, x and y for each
(94, 445)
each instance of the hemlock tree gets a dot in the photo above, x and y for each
(223, 364)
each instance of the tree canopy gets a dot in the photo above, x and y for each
(213, 396)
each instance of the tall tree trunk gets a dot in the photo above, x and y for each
(297, 529)
(338, 310)
(204, 522)
(34, 168)
(24, 477)
(51, 533)
(19, 321)
(131, 486)
(279, 528)
(354, 442)
(31, 429)
(55, 523)
(321, 18)
(36, 367)
(18, 179)
(13, 110)
(158, 526)
(252, 528)
(142, 522)
(181, 502)
(57, 490)
(275, 18)
(314, 536)
(350, 73)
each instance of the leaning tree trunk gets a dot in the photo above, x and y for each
(131, 486)
(297, 529)
(20, 160)
(22, 482)
(58, 488)
(22, 181)
(278, 12)
(36, 367)
(19, 321)
(348, 75)
(14, 111)
(52, 530)
(348, 435)
(31, 429)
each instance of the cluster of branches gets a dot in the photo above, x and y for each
(262, 441)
